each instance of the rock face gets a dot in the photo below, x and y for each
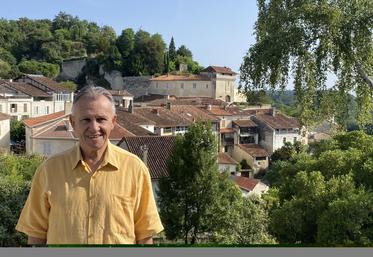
(71, 69)
(115, 79)
(137, 85)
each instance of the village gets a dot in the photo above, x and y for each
(148, 121)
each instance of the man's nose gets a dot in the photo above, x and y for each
(94, 125)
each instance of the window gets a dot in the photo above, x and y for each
(47, 110)
(295, 140)
(194, 85)
(167, 130)
(24, 107)
(207, 85)
(284, 140)
(156, 84)
(182, 85)
(13, 108)
(1, 108)
(36, 109)
(262, 158)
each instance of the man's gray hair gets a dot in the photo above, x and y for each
(93, 92)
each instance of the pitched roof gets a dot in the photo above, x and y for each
(47, 82)
(27, 89)
(159, 151)
(120, 93)
(162, 116)
(192, 113)
(197, 101)
(4, 116)
(132, 122)
(189, 77)
(279, 121)
(254, 150)
(247, 184)
(217, 111)
(31, 122)
(226, 130)
(218, 69)
(224, 158)
(245, 123)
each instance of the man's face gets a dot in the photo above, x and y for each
(93, 120)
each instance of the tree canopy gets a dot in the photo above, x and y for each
(310, 41)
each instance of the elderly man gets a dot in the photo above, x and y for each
(95, 192)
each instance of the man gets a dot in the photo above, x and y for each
(95, 192)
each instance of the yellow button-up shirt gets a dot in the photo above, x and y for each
(69, 205)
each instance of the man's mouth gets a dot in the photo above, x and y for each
(94, 136)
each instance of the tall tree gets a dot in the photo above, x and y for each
(191, 198)
(311, 40)
(172, 50)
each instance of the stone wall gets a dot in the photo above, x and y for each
(71, 69)
(137, 85)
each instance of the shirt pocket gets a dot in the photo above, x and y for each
(122, 215)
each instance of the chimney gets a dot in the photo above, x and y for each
(168, 106)
(130, 107)
(273, 111)
(67, 107)
(144, 149)
(155, 111)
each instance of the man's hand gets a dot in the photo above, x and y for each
(36, 241)
(145, 241)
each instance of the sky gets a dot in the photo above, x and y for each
(217, 32)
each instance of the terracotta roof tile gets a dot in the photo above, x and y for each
(224, 158)
(279, 121)
(254, 150)
(162, 116)
(247, 184)
(27, 89)
(218, 111)
(192, 113)
(245, 123)
(41, 119)
(218, 69)
(190, 77)
(47, 82)
(159, 151)
(226, 130)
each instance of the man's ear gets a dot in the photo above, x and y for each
(114, 120)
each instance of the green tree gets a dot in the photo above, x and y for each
(189, 198)
(69, 85)
(17, 131)
(172, 50)
(311, 40)
(184, 51)
(35, 67)
(5, 69)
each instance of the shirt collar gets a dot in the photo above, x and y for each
(109, 157)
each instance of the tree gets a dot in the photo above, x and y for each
(35, 67)
(172, 50)
(5, 69)
(191, 197)
(17, 131)
(324, 197)
(311, 40)
(69, 85)
(184, 51)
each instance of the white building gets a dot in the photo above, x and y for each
(4, 132)
(215, 82)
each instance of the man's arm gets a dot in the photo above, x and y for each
(145, 241)
(36, 241)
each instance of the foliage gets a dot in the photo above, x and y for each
(17, 131)
(324, 196)
(194, 200)
(35, 67)
(69, 85)
(310, 40)
(5, 69)
(15, 179)
(172, 50)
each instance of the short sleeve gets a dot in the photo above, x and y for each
(33, 220)
(147, 221)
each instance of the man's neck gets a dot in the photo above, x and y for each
(93, 158)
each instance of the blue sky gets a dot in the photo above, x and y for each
(217, 32)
